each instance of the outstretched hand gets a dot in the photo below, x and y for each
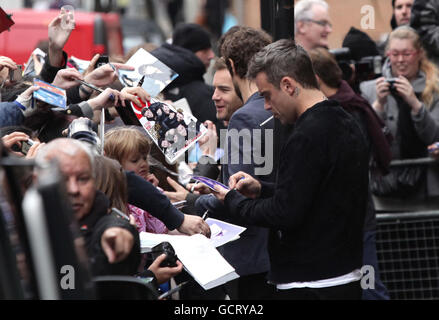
(60, 29)
(66, 78)
(180, 192)
(104, 75)
(117, 244)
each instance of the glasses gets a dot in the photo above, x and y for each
(406, 54)
(322, 23)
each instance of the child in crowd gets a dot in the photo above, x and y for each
(131, 148)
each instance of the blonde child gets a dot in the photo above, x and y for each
(131, 148)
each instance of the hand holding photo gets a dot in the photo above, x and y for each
(50, 94)
(157, 74)
(173, 131)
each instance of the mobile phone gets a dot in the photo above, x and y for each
(16, 75)
(25, 145)
(102, 60)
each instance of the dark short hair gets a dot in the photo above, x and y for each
(284, 58)
(223, 37)
(240, 45)
(326, 67)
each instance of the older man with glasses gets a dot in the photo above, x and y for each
(312, 24)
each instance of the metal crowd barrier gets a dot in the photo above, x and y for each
(408, 248)
(408, 254)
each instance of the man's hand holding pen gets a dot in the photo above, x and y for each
(241, 182)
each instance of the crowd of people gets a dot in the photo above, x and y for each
(310, 221)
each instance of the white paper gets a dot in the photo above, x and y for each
(30, 65)
(223, 232)
(198, 256)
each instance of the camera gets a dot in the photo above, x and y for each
(102, 60)
(391, 81)
(25, 145)
(16, 75)
(367, 68)
(166, 248)
(83, 129)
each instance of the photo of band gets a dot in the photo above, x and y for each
(170, 129)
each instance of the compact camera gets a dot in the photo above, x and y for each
(82, 129)
(16, 75)
(391, 81)
(102, 60)
(166, 248)
(25, 145)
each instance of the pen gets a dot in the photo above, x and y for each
(263, 123)
(120, 213)
(114, 68)
(205, 215)
(89, 85)
(172, 291)
(236, 189)
(141, 81)
(179, 204)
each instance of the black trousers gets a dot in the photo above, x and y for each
(349, 291)
(250, 287)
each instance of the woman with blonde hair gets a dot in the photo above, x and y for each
(406, 97)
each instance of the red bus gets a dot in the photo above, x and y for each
(94, 33)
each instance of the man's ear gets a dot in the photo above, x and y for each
(300, 25)
(232, 67)
(319, 81)
(288, 85)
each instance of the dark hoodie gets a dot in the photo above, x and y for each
(190, 82)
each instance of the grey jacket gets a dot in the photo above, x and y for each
(426, 122)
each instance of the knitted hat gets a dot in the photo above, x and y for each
(360, 44)
(191, 36)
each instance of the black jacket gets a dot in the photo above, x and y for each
(93, 226)
(316, 210)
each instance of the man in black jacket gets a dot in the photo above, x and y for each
(330, 80)
(315, 210)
